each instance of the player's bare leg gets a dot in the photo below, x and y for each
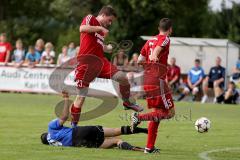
(112, 139)
(124, 87)
(111, 142)
(154, 117)
(217, 91)
(205, 91)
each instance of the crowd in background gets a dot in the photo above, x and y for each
(40, 53)
(196, 83)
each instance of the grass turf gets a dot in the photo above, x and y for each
(24, 117)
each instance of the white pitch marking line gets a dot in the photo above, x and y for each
(204, 155)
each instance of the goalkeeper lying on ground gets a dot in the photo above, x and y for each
(86, 136)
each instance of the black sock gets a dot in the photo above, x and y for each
(181, 97)
(126, 130)
(140, 130)
(125, 146)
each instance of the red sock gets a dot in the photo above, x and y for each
(152, 134)
(125, 91)
(157, 115)
(75, 112)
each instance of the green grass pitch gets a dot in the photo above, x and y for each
(24, 117)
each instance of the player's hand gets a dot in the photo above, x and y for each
(191, 86)
(109, 48)
(104, 30)
(153, 58)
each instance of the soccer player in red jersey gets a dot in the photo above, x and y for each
(92, 63)
(154, 56)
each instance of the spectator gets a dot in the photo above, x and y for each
(71, 50)
(77, 50)
(32, 57)
(173, 74)
(48, 48)
(215, 80)
(230, 96)
(236, 71)
(194, 81)
(134, 60)
(120, 59)
(133, 65)
(63, 57)
(39, 46)
(48, 54)
(5, 49)
(18, 54)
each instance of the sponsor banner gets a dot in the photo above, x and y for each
(37, 80)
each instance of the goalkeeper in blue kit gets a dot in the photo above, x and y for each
(86, 136)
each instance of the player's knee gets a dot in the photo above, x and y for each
(172, 113)
(121, 78)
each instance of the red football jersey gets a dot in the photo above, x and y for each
(172, 72)
(91, 43)
(158, 40)
(4, 47)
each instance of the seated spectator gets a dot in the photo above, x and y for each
(77, 50)
(194, 81)
(71, 50)
(134, 60)
(32, 57)
(236, 71)
(18, 54)
(214, 80)
(48, 54)
(63, 57)
(48, 48)
(39, 46)
(229, 96)
(132, 64)
(5, 49)
(120, 59)
(173, 74)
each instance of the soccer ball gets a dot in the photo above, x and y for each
(202, 124)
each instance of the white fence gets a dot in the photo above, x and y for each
(36, 80)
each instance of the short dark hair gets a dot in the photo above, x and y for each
(44, 138)
(232, 83)
(108, 11)
(197, 60)
(165, 24)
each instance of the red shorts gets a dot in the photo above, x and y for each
(89, 67)
(158, 94)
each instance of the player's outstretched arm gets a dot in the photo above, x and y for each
(65, 112)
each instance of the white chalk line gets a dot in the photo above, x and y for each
(204, 155)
